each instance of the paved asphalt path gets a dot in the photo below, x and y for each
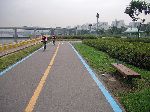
(68, 86)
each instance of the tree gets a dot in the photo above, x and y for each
(101, 31)
(147, 30)
(135, 8)
(115, 30)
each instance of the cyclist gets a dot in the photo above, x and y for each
(53, 39)
(44, 40)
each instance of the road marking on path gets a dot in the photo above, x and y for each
(38, 90)
(107, 95)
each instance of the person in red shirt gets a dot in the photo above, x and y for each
(44, 40)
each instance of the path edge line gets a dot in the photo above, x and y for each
(102, 88)
(18, 62)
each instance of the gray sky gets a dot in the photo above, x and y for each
(61, 13)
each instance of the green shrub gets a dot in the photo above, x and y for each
(8, 60)
(137, 101)
(77, 37)
(133, 100)
(135, 53)
(145, 40)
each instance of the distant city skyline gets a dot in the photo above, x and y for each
(62, 13)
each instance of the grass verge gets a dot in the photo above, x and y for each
(134, 99)
(8, 60)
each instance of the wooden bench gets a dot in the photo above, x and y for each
(126, 72)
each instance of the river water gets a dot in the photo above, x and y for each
(4, 39)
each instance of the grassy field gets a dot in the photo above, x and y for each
(6, 61)
(134, 99)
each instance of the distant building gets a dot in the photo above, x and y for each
(133, 32)
(58, 31)
(79, 27)
(134, 24)
(94, 26)
(148, 23)
(68, 27)
(118, 23)
(103, 25)
(85, 27)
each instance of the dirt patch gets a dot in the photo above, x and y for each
(115, 83)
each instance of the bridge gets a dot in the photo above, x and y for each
(56, 30)
(27, 28)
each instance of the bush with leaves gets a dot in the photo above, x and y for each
(77, 37)
(135, 53)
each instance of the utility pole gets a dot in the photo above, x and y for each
(76, 31)
(90, 25)
(15, 35)
(34, 34)
(97, 16)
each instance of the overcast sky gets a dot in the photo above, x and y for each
(61, 13)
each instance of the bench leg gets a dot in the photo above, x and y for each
(119, 74)
(129, 80)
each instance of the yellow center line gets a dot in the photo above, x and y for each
(36, 94)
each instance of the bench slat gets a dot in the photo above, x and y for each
(129, 71)
(125, 71)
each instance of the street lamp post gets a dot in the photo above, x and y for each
(90, 25)
(97, 16)
(76, 31)
(15, 35)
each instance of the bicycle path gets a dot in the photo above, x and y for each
(51, 81)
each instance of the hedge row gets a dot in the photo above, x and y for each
(135, 53)
(82, 37)
(144, 40)
(77, 37)
(133, 39)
